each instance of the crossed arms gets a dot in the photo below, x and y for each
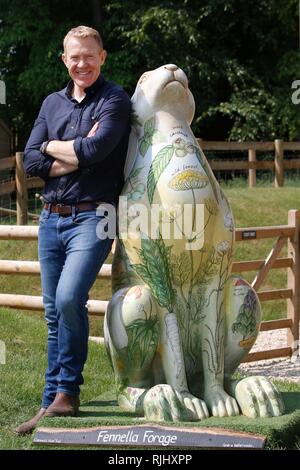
(66, 160)
(66, 156)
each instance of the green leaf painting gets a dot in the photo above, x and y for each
(143, 337)
(149, 126)
(143, 147)
(246, 320)
(134, 119)
(159, 164)
(155, 270)
(135, 172)
(181, 266)
(151, 136)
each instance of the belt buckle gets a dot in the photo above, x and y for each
(62, 209)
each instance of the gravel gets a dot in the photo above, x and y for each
(287, 369)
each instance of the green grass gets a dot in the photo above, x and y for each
(22, 383)
(279, 432)
(263, 207)
(251, 207)
(22, 377)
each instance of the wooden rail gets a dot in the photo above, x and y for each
(7, 163)
(18, 232)
(8, 212)
(234, 146)
(279, 164)
(289, 233)
(240, 266)
(35, 302)
(31, 268)
(7, 188)
(268, 354)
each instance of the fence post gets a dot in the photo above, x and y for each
(252, 172)
(279, 170)
(21, 189)
(293, 304)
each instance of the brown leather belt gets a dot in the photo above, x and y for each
(63, 209)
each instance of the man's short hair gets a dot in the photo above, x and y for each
(83, 32)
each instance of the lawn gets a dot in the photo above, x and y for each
(22, 376)
(263, 206)
(22, 382)
(251, 207)
(24, 333)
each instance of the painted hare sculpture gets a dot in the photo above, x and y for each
(178, 324)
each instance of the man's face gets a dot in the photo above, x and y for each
(83, 58)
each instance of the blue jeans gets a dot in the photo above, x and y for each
(71, 255)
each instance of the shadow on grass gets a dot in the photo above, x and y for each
(109, 408)
(102, 403)
(291, 401)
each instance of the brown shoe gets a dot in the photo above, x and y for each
(64, 405)
(29, 426)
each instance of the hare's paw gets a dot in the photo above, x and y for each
(258, 398)
(220, 403)
(164, 403)
(131, 399)
(197, 408)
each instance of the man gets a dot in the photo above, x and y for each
(78, 146)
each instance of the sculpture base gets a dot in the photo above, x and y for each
(102, 423)
(149, 436)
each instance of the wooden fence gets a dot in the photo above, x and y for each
(278, 165)
(289, 234)
(21, 184)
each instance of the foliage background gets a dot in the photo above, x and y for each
(241, 57)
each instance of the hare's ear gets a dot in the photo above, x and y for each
(131, 153)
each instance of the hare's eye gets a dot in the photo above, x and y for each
(143, 78)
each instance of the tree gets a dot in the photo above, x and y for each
(31, 36)
(241, 57)
(237, 55)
